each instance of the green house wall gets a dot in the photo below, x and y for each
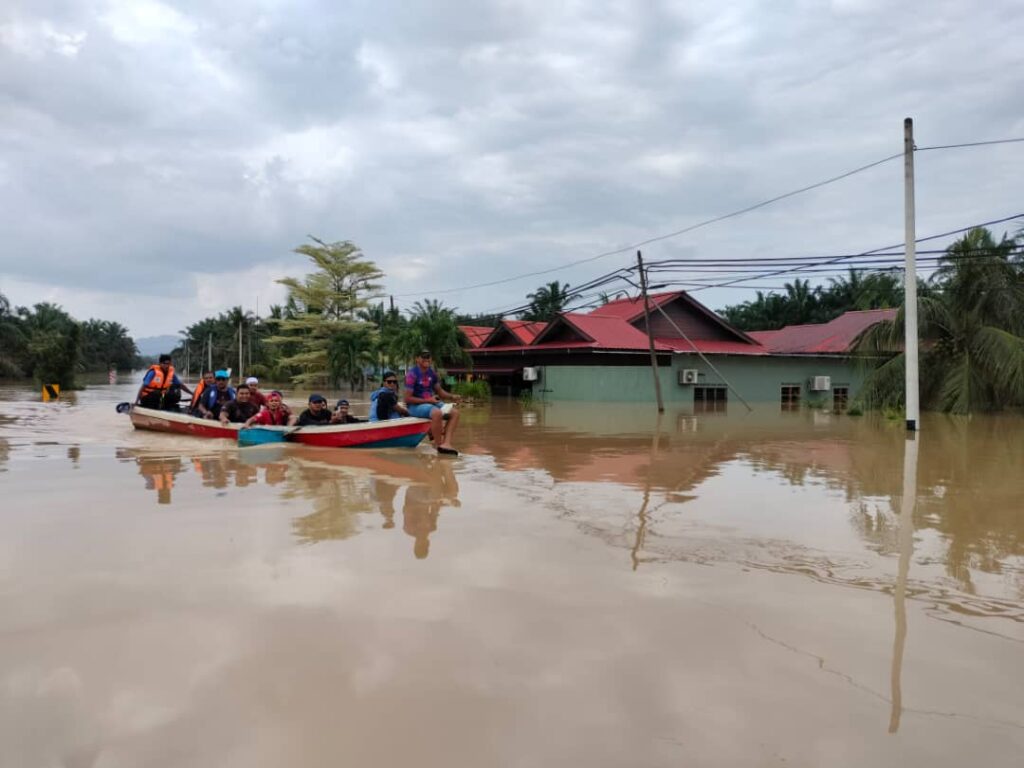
(756, 378)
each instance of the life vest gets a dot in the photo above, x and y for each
(197, 394)
(159, 382)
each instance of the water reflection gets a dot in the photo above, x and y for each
(5, 452)
(340, 486)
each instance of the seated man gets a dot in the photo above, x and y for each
(342, 416)
(317, 414)
(274, 415)
(423, 396)
(255, 396)
(216, 398)
(384, 403)
(161, 388)
(205, 385)
(239, 410)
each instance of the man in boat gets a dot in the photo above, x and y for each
(274, 414)
(255, 396)
(215, 399)
(239, 410)
(342, 416)
(316, 414)
(161, 388)
(424, 397)
(205, 385)
(384, 403)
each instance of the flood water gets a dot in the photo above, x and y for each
(585, 586)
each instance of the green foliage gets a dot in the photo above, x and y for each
(803, 304)
(472, 390)
(431, 326)
(106, 344)
(546, 302)
(971, 324)
(327, 341)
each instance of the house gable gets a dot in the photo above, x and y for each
(695, 320)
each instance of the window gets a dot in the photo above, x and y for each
(840, 398)
(709, 398)
(790, 397)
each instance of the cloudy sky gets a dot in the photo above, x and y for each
(159, 160)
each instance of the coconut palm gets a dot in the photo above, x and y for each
(431, 326)
(970, 324)
(547, 301)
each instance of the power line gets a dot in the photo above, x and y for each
(970, 144)
(659, 238)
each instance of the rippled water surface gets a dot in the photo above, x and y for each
(586, 585)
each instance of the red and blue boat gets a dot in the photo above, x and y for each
(394, 433)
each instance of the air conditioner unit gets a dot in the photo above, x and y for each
(531, 374)
(688, 376)
(821, 383)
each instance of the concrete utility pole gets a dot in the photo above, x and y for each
(650, 336)
(910, 280)
(239, 350)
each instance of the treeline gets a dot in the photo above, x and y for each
(802, 304)
(971, 329)
(332, 330)
(47, 344)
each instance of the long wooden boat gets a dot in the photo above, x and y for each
(181, 423)
(395, 433)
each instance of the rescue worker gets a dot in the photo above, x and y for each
(205, 384)
(161, 388)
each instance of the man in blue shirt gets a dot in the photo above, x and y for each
(215, 399)
(423, 398)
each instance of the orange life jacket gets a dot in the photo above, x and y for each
(159, 382)
(197, 394)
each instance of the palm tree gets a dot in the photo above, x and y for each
(547, 301)
(431, 326)
(971, 323)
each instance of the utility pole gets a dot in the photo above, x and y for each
(240, 350)
(209, 351)
(910, 281)
(650, 336)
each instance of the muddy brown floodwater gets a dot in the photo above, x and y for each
(586, 586)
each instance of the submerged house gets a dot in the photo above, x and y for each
(604, 356)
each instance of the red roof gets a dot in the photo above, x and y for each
(834, 337)
(710, 347)
(475, 334)
(631, 308)
(524, 330)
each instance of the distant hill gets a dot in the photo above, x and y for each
(150, 346)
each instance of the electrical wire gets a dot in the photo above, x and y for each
(659, 238)
(970, 144)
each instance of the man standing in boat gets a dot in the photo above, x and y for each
(423, 397)
(161, 388)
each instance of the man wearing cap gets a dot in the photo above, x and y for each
(423, 398)
(342, 416)
(161, 388)
(255, 396)
(216, 398)
(317, 414)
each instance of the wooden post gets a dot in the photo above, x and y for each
(650, 336)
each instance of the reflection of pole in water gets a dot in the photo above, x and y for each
(641, 530)
(906, 541)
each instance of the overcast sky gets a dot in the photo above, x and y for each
(159, 160)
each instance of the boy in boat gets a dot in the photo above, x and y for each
(423, 397)
(384, 403)
(161, 388)
(239, 410)
(255, 396)
(317, 414)
(216, 398)
(274, 415)
(342, 416)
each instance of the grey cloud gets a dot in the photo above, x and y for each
(499, 139)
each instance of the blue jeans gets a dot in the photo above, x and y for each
(422, 410)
